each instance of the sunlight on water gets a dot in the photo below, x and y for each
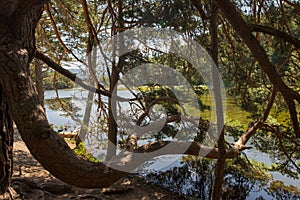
(166, 163)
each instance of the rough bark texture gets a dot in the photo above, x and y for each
(6, 147)
(38, 64)
(17, 46)
(112, 124)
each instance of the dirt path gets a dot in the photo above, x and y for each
(31, 181)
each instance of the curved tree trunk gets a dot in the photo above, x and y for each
(17, 46)
(22, 103)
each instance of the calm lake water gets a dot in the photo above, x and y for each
(166, 163)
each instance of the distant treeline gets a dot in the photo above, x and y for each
(52, 81)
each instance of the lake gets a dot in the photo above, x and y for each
(176, 166)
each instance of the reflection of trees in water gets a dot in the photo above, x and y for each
(65, 105)
(95, 140)
(283, 149)
(61, 104)
(194, 179)
(279, 191)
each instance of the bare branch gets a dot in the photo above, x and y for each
(253, 128)
(68, 74)
(269, 105)
(154, 102)
(276, 131)
(193, 148)
(246, 136)
(58, 34)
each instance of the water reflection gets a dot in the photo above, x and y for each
(194, 177)
(243, 180)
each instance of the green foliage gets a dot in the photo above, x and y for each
(82, 151)
(278, 149)
(153, 92)
(280, 190)
(241, 73)
(61, 82)
(244, 79)
(251, 169)
(65, 105)
(62, 104)
(234, 128)
(194, 178)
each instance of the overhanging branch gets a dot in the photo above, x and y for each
(241, 27)
(276, 33)
(39, 55)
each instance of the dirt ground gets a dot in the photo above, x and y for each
(31, 181)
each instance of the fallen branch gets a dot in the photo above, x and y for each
(192, 148)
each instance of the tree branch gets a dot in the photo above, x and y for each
(252, 128)
(276, 33)
(193, 148)
(58, 34)
(154, 102)
(294, 5)
(293, 114)
(39, 55)
(276, 131)
(241, 27)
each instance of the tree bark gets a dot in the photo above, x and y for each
(17, 46)
(114, 78)
(239, 25)
(276, 33)
(86, 118)
(112, 124)
(6, 146)
(112, 104)
(38, 64)
(39, 55)
(220, 165)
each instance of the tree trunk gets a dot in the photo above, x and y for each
(220, 165)
(6, 147)
(112, 124)
(38, 64)
(89, 102)
(86, 118)
(17, 46)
